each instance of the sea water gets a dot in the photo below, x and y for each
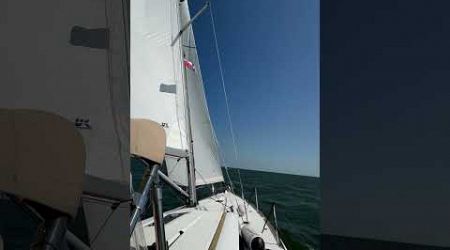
(296, 198)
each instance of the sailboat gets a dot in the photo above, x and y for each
(173, 138)
(64, 122)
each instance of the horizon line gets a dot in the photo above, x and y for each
(276, 171)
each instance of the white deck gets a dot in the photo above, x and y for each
(200, 224)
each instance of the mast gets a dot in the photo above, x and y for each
(190, 162)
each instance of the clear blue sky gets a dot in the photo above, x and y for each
(270, 57)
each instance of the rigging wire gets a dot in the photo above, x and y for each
(223, 82)
(219, 59)
(110, 89)
(126, 31)
(240, 182)
(113, 208)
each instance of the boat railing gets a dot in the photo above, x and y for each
(266, 223)
(256, 199)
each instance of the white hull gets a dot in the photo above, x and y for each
(212, 224)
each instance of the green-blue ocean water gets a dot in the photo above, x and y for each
(297, 200)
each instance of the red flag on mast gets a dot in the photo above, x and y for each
(188, 64)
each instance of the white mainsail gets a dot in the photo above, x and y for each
(156, 69)
(71, 60)
(158, 84)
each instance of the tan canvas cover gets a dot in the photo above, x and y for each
(147, 139)
(42, 158)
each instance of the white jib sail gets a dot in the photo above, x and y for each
(206, 154)
(158, 84)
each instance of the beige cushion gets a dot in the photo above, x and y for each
(147, 139)
(42, 158)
